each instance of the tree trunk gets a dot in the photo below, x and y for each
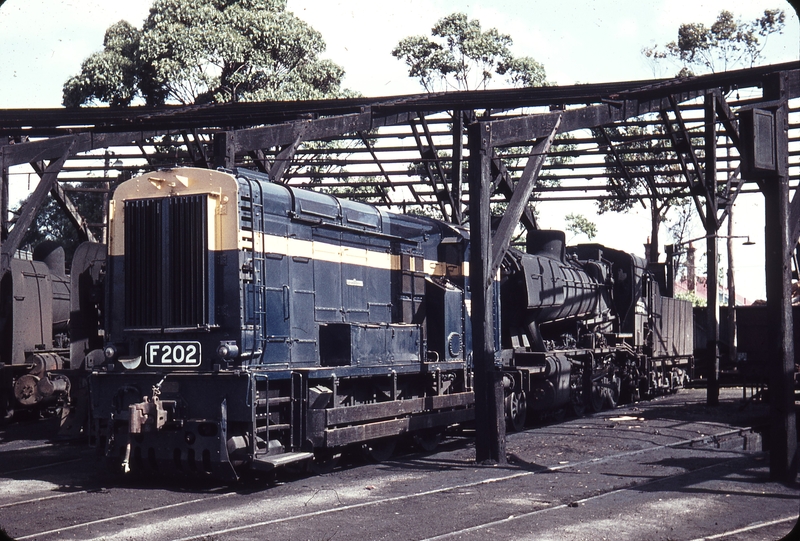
(655, 222)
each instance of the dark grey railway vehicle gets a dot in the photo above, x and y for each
(48, 322)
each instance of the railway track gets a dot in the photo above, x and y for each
(628, 472)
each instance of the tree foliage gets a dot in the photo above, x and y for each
(637, 171)
(693, 297)
(201, 51)
(460, 55)
(727, 44)
(52, 223)
(578, 224)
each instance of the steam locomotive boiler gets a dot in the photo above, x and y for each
(250, 326)
(33, 324)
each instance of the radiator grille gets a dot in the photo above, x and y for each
(166, 262)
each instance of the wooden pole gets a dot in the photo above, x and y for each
(490, 430)
(712, 253)
(731, 293)
(456, 172)
(783, 430)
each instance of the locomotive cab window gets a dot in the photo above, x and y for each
(167, 266)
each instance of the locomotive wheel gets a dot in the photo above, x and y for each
(597, 398)
(516, 410)
(379, 450)
(325, 461)
(428, 440)
(576, 393)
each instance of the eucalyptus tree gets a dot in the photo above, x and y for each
(638, 174)
(201, 51)
(729, 43)
(460, 55)
(578, 224)
(198, 51)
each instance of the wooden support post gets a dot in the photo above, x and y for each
(31, 209)
(490, 430)
(520, 198)
(225, 150)
(783, 430)
(72, 212)
(712, 252)
(4, 188)
(456, 172)
(731, 318)
(284, 158)
(669, 252)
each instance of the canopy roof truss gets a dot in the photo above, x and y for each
(412, 152)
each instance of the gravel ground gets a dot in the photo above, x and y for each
(671, 469)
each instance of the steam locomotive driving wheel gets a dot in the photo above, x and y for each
(516, 410)
(577, 392)
(592, 387)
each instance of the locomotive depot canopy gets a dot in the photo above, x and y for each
(411, 151)
(708, 137)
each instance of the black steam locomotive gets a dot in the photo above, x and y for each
(250, 326)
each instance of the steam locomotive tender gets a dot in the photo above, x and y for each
(250, 326)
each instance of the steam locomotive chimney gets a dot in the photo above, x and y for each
(547, 243)
(52, 255)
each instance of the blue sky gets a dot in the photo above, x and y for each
(43, 42)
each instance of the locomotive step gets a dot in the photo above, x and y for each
(271, 462)
(274, 401)
(263, 429)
